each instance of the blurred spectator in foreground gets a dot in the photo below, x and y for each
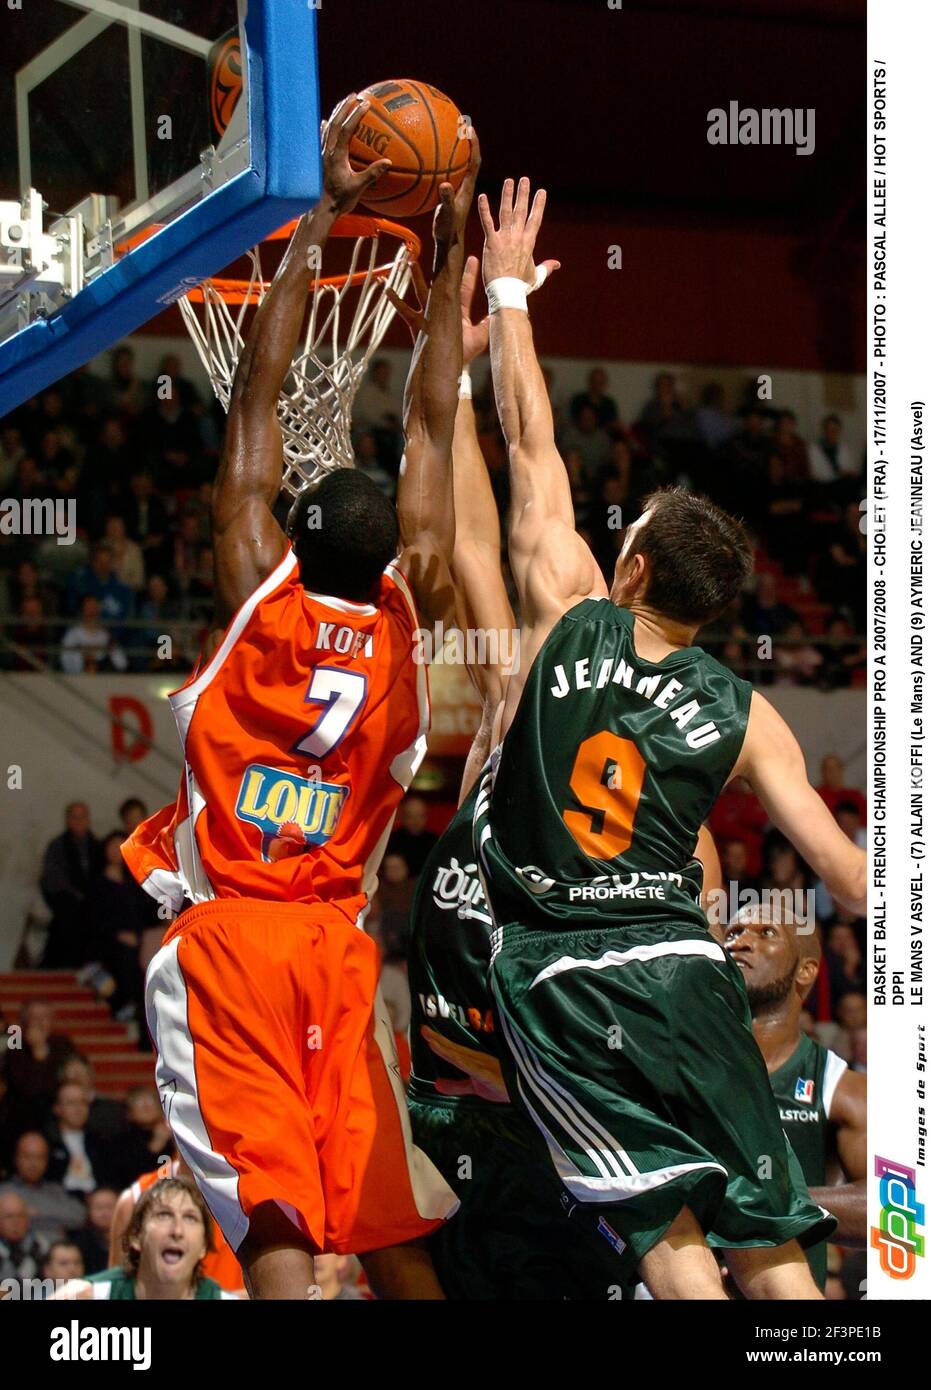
(88, 646)
(32, 1069)
(834, 788)
(92, 1236)
(22, 1248)
(411, 839)
(596, 397)
(51, 1208)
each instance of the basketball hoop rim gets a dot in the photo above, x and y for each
(351, 224)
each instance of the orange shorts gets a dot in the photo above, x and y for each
(279, 1077)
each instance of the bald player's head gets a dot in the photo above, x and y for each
(777, 952)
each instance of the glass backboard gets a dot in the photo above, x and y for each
(149, 143)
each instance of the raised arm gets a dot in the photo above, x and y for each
(248, 542)
(772, 762)
(847, 1200)
(552, 566)
(425, 505)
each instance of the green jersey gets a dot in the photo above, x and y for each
(605, 777)
(116, 1285)
(453, 1043)
(804, 1088)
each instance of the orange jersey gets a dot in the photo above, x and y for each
(300, 736)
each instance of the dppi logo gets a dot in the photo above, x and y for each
(896, 1237)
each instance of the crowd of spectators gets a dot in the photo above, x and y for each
(137, 458)
(136, 461)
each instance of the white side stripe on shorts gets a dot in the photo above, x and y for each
(176, 1078)
(710, 949)
(565, 1111)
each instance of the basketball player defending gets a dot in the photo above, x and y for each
(508, 1240)
(300, 735)
(627, 1025)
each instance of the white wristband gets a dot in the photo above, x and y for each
(465, 385)
(507, 292)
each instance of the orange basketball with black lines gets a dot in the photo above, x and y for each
(424, 135)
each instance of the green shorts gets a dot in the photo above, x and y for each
(512, 1237)
(631, 1051)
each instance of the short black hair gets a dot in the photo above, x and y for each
(700, 557)
(345, 542)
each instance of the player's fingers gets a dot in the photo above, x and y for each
(446, 194)
(350, 120)
(506, 210)
(521, 203)
(337, 116)
(536, 214)
(485, 217)
(475, 160)
(420, 284)
(373, 172)
(412, 317)
(469, 281)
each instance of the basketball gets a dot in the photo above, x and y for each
(423, 134)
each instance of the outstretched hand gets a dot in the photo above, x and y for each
(450, 217)
(474, 335)
(342, 184)
(509, 247)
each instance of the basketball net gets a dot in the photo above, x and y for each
(347, 319)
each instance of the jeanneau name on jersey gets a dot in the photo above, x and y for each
(666, 693)
(271, 798)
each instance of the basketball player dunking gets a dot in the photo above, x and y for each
(627, 1029)
(300, 734)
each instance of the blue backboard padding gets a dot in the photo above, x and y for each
(284, 180)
